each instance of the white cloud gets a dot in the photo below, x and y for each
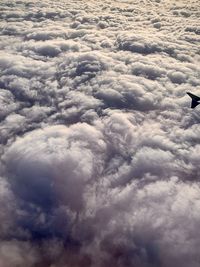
(99, 147)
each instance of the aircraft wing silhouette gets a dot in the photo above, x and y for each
(194, 104)
(193, 96)
(195, 100)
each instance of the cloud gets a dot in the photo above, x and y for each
(62, 147)
(99, 149)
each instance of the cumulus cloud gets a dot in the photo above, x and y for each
(99, 149)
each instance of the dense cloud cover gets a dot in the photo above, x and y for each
(100, 151)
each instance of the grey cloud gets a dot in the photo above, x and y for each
(21, 162)
(22, 254)
(151, 72)
(7, 104)
(75, 70)
(99, 147)
(49, 48)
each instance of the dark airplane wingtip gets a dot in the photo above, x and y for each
(190, 95)
(195, 97)
(195, 100)
(194, 104)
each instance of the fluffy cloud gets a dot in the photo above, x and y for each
(99, 147)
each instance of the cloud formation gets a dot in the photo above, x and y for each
(99, 147)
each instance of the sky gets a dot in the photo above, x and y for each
(99, 148)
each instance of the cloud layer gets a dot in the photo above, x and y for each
(99, 147)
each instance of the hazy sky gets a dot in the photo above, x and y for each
(100, 151)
